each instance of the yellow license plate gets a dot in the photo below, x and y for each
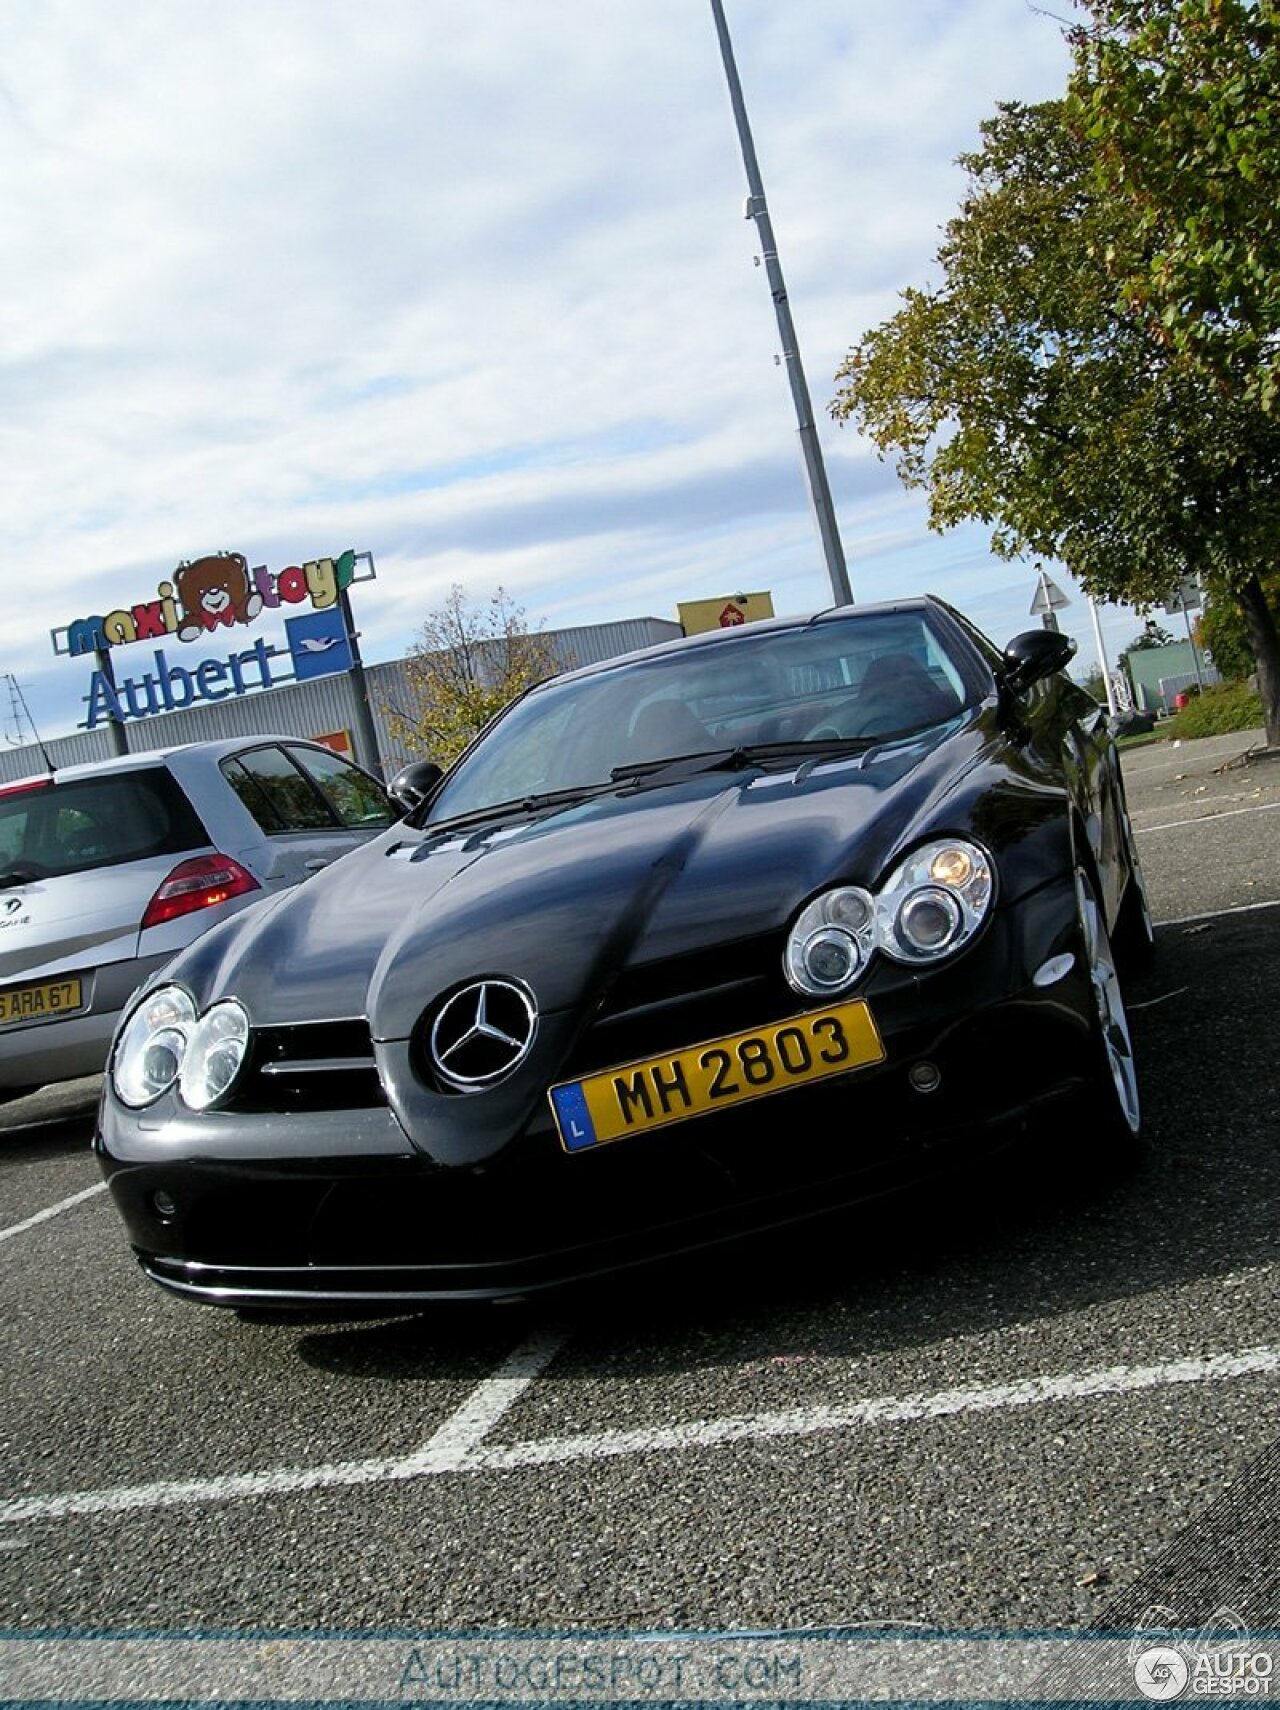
(636, 1097)
(33, 1003)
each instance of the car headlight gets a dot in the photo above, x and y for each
(148, 1058)
(163, 1043)
(831, 941)
(934, 901)
(929, 907)
(215, 1051)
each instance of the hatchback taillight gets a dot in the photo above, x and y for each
(201, 882)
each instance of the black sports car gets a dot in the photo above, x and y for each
(688, 943)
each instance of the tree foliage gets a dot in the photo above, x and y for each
(1222, 629)
(1017, 392)
(1180, 100)
(466, 664)
(1152, 635)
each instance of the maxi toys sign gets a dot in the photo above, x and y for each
(204, 598)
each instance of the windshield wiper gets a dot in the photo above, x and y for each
(667, 769)
(517, 807)
(683, 765)
(679, 766)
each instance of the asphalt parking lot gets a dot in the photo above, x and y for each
(1047, 1404)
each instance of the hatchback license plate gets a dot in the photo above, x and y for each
(656, 1091)
(33, 1003)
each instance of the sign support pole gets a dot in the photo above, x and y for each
(116, 734)
(1102, 657)
(365, 733)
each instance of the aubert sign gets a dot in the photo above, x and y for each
(203, 598)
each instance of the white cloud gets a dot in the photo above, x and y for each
(468, 287)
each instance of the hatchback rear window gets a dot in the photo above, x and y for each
(95, 822)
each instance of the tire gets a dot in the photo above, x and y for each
(1114, 1107)
(1135, 934)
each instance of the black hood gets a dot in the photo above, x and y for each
(561, 901)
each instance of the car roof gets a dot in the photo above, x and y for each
(215, 748)
(739, 633)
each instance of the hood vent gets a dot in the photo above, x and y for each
(675, 1002)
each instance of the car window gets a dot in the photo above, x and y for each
(97, 822)
(276, 793)
(357, 798)
(847, 676)
(988, 649)
(554, 731)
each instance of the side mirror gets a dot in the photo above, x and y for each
(1034, 655)
(413, 783)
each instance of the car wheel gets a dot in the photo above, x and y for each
(1115, 1108)
(1135, 934)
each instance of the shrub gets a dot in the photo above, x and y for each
(1222, 708)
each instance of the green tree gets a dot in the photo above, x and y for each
(1222, 630)
(466, 664)
(1152, 634)
(1181, 101)
(1017, 393)
(1094, 683)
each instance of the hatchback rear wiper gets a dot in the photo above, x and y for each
(20, 873)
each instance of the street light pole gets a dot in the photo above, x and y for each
(757, 210)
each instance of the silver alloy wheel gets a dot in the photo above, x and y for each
(1113, 1024)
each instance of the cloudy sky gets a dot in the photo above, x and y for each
(468, 286)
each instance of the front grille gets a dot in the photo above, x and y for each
(317, 1065)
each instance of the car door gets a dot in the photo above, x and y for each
(310, 805)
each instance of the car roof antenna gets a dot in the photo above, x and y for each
(19, 710)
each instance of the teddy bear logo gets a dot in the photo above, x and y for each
(215, 591)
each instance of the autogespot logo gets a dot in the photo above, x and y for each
(1161, 1673)
(482, 1033)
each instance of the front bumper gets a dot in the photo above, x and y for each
(339, 1208)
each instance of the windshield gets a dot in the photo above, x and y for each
(860, 678)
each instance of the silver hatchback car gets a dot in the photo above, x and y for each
(107, 869)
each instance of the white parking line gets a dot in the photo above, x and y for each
(52, 1211)
(1204, 819)
(463, 1432)
(1220, 913)
(881, 1410)
(447, 1450)
(458, 1447)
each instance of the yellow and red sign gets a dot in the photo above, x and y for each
(698, 616)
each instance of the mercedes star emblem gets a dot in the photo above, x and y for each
(482, 1033)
